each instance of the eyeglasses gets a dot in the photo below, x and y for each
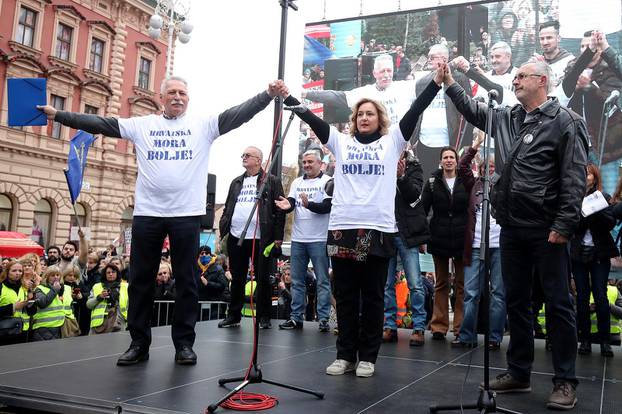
(247, 155)
(521, 76)
(203, 254)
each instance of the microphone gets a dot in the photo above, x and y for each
(613, 97)
(493, 94)
(298, 108)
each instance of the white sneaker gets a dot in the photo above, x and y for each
(365, 369)
(340, 367)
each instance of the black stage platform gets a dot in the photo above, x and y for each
(79, 375)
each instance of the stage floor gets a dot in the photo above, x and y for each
(79, 375)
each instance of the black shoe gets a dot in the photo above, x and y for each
(229, 322)
(549, 346)
(457, 343)
(606, 351)
(494, 346)
(324, 326)
(264, 323)
(185, 356)
(290, 324)
(585, 348)
(133, 355)
(438, 336)
(506, 383)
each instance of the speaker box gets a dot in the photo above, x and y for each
(339, 75)
(207, 220)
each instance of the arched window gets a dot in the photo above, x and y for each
(82, 216)
(41, 223)
(6, 213)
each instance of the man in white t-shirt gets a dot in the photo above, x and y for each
(502, 73)
(308, 196)
(265, 230)
(395, 96)
(172, 152)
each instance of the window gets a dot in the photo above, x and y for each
(125, 238)
(97, 55)
(41, 223)
(90, 109)
(144, 73)
(6, 212)
(73, 224)
(63, 41)
(57, 102)
(26, 26)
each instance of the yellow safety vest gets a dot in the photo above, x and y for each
(52, 316)
(250, 287)
(67, 301)
(22, 296)
(98, 314)
(542, 319)
(612, 295)
(9, 297)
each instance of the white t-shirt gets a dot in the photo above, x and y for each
(243, 206)
(397, 98)
(365, 176)
(559, 69)
(309, 226)
(505, 80)
(450, 184)
(172, 157)
(493, 233)
(434, 132)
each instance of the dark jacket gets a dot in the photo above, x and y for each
(271, 218)
(542, 181)
(412, 224)
(607, 75)
(600, 225)
(217, 287)
(449, 215)
(165, 291)
(473, 187)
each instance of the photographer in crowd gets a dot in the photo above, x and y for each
(108, 301)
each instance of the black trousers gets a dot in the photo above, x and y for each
(148, 234)
(522, 250)
(239, 257)
(359, 287)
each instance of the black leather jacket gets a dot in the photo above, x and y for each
(541, 162)
(271, 219)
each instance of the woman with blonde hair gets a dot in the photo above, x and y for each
(13, 301)
(49, 298)
(362, 220)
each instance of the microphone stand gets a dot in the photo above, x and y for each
(486, 402)
(254, 375)
(608, 110)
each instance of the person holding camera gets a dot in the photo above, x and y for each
(108, 302)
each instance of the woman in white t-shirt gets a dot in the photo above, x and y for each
(362, 220)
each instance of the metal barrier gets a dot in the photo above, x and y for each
(208, 310)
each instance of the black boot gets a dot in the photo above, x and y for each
(605, 350)
(585, 348)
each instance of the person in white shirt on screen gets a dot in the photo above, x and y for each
(172, 152)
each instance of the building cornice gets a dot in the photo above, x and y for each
(149, 45)
(69, 9)
(104, 24)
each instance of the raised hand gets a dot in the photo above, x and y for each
(460, 63)
(273, 88)
(48, 110)
(439, 75)
(401, 167)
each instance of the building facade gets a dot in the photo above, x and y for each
(97, 58)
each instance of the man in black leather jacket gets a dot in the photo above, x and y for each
(270, 228)
(541, 155)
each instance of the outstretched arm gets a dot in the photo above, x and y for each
(240, 114)
(335, 98)
(93, 124)
(318, 125)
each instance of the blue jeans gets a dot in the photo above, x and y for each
(301, 253)
(410, 261)
(592, 278)
(473, 287)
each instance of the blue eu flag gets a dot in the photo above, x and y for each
(76, 162)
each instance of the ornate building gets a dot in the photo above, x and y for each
(97, 58)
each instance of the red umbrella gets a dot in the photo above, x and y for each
(14, 244)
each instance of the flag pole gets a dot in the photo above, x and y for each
(75, 212)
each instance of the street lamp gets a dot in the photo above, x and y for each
(177, 12)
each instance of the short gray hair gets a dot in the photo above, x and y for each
(259, 151)
(440, 49)
(172, 78)
(543, 68)
(381, 59)
(314, 152)
(503, 46)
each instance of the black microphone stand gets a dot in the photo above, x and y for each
(608, 110)
(254, 375)
(486, 402)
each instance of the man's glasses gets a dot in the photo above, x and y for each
(247, 155)
(522, 76)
